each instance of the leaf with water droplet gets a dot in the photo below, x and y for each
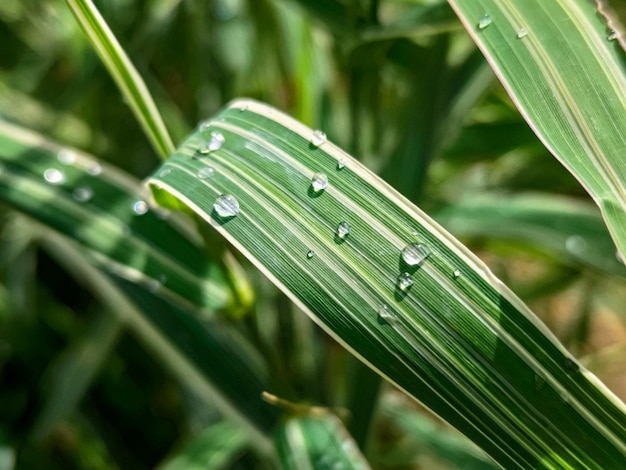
(343, 229)
(415, 254)
(140, 207)
(205, 172)
(319, 181)
(318, 138)
(54, 176)
(404, 281)
(226, 206)
(341, 164)
(215, 142)
(521, 33)
(83, 194)
(484, 22)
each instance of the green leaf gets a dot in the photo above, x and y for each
(568, 81)
(569, 229)
(108, 212)
(214, 448)
(457, 339)
(317, 441)
(123, 73)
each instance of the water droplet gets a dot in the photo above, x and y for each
(341, 164)
(619, 257)
(54, 176)
(318, 138)
(93, 168)
(215, 143)
(575, 244)
(310, 254)
(414, 233)
(457, 273)
(66, 156)
(165, 172)
(415, 254)
(613, 35)
(343, 229)
(226, 206)
(319, 182)
(204, 125)
(154, 285)
(521, 33)
(244, 107)
(140, 207)
(205, 172)
(386, 316)
(83, 194)
(484, 22)
(404, 281)
(570, 365)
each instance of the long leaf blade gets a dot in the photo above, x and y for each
(457, 340)
(568, 80)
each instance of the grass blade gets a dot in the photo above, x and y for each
(124, 74)
(567, 79)
(457, 339)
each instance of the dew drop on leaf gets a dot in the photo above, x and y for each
(226, 206)
(521, 33)
(318, 138)
(140, 207)
(404, 281)
(319, 181)
(205, 172)
(484, 22)
(343, 229)
(415, 254)
(83, 194)
(310, 254)
(341, 164)
(215, 142)
(66, 156)
(385, 315)
(54, 176)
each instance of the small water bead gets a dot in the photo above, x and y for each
(576, 244)
(456, 274)
(484, 22)
(165, 172)
(415, 254)
(93, 168)
(319, 181)
(204, 125)
(343, 229)
(54, 176)
(140, 207)
(66, 156)
(386, 316)
(310, 254)
(244, 107)
(613, 35)
(318, 138)
(205, 172)
(521, 33)
(404, 281)
(83, 194)
(341, 164)
(215, 143)
(226, 206)
(619, 257)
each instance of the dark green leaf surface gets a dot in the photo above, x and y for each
(457, 339)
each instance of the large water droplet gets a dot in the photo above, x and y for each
(484, 22)
(343, 229)
(54, 176)
(318, 138)
(521, 33)
(341, 164)
(215, 142)
(93, 168)
(140, 207)
(310, 254)
(575, 244)
(66, 156)
(319, 182)
(83, 194)
(415, 254)
(205, 172)
(385, 315)
(404, 281)
(226, 206)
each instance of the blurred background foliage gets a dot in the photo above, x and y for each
(396, 83)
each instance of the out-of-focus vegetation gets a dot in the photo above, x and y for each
(398, 84)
